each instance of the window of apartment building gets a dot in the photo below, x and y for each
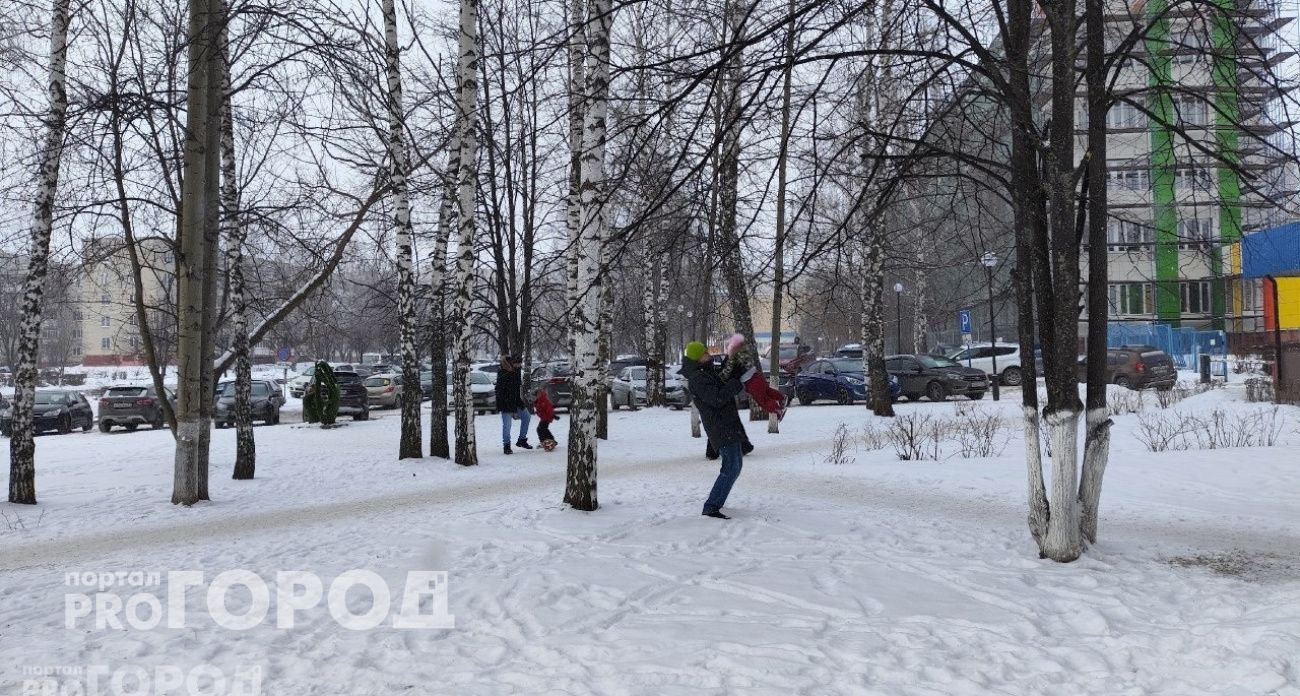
(76, 350)
(1130, 298)
(1192, 111)
(1195, 296)
(1251, 297)
(104, 276)
(135, 343)
(103, 299)
(1123, 115)
(1195, 178)
(1195, 231)
(1120, 232)
(1129, 179)
(76, 333)
(105, 322)
(77, 316)
(105, 343)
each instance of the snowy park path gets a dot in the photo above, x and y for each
(871, 577)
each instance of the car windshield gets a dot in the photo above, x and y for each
(347, 378)
(131, 391)
(788, 352)
(636, 373)
(479, 378)
(561, 371)
(847, 365)
(933, 361)
(48, 398)
(378, 382)
(260, 389)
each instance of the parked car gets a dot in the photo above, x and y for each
(265, 398)
(297, 385)
(556, 379)
(629, 388)
(426, 384)
(935, 377)
(849, 350)
(785, 384)
(980, 356)
(385, 390)
(132, 407)
(54, 409)
(488, 368)
(840, 379)
(794, 357)
(383, 369)
(1136, 367)
(482, 389)
(622, 362)
(353, 399)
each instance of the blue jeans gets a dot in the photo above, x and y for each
(731, 462)
(506, 418)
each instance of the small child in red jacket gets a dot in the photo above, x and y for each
(545, 416)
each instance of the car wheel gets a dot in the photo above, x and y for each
(1123, 381)
(1012, 377)
(90, 423)
(804, 397)
(843, 397)
(158, 423)
(131, 427)
(936, 391)
(105, 426)
(364, 415)
(275, 418)
(912, 397)
(975, 396)
(65, 425)
(613, 400)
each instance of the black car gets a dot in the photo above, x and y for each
(131, 407)
(354, 400)
(54, 409)
(1136, 367)
(265, 397)
(935, 377)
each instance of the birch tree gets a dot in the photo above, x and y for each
(466, 99)
(235, 234)
(580, 484)
(22, 445)
(398, 166)
(439, 324)
(778, 253)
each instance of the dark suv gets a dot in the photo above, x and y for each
(132, 407)
(556, 379)
(1136, 367)
(354, 400)
(265, 400)
(935, 377)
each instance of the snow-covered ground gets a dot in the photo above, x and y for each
(871, 576)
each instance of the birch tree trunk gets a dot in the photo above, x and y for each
(604, 323)
(577, 46)
(651, 271)
(22, 444)
(921, 298)
(234, 233)
(439, 446)
(873, 105)
(211, 244)
(778, 253)
(410, 446)
(466, 101)
(580, 483)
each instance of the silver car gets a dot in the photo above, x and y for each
(629, 388)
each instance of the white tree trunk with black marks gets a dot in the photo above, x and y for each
(22, 444)
(410, 446)
(466, 101)
(234, 234)
(577, 46)
(920, 306)
(439, 445)
(580, 483)
(651, 275)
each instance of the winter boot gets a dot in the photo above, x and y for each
(523, 444)
(508, 450)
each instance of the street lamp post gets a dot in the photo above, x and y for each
(898, 317)
(990, 259)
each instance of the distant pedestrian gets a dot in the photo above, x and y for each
(545, 411)
(715, 398)
(510, 402)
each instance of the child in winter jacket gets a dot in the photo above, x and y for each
(545, 416)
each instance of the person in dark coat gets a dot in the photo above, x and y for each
(510, 402)
(716, 401)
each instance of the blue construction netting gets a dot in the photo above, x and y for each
(1184, 345)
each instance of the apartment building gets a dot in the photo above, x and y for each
(104, 307)
(1196, 95)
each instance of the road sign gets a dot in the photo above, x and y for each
(283, 354)
(963, 319)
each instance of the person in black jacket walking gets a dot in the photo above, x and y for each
(715, 399)
(510, 402)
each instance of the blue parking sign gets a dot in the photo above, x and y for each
(283, 354)
(963, 318)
